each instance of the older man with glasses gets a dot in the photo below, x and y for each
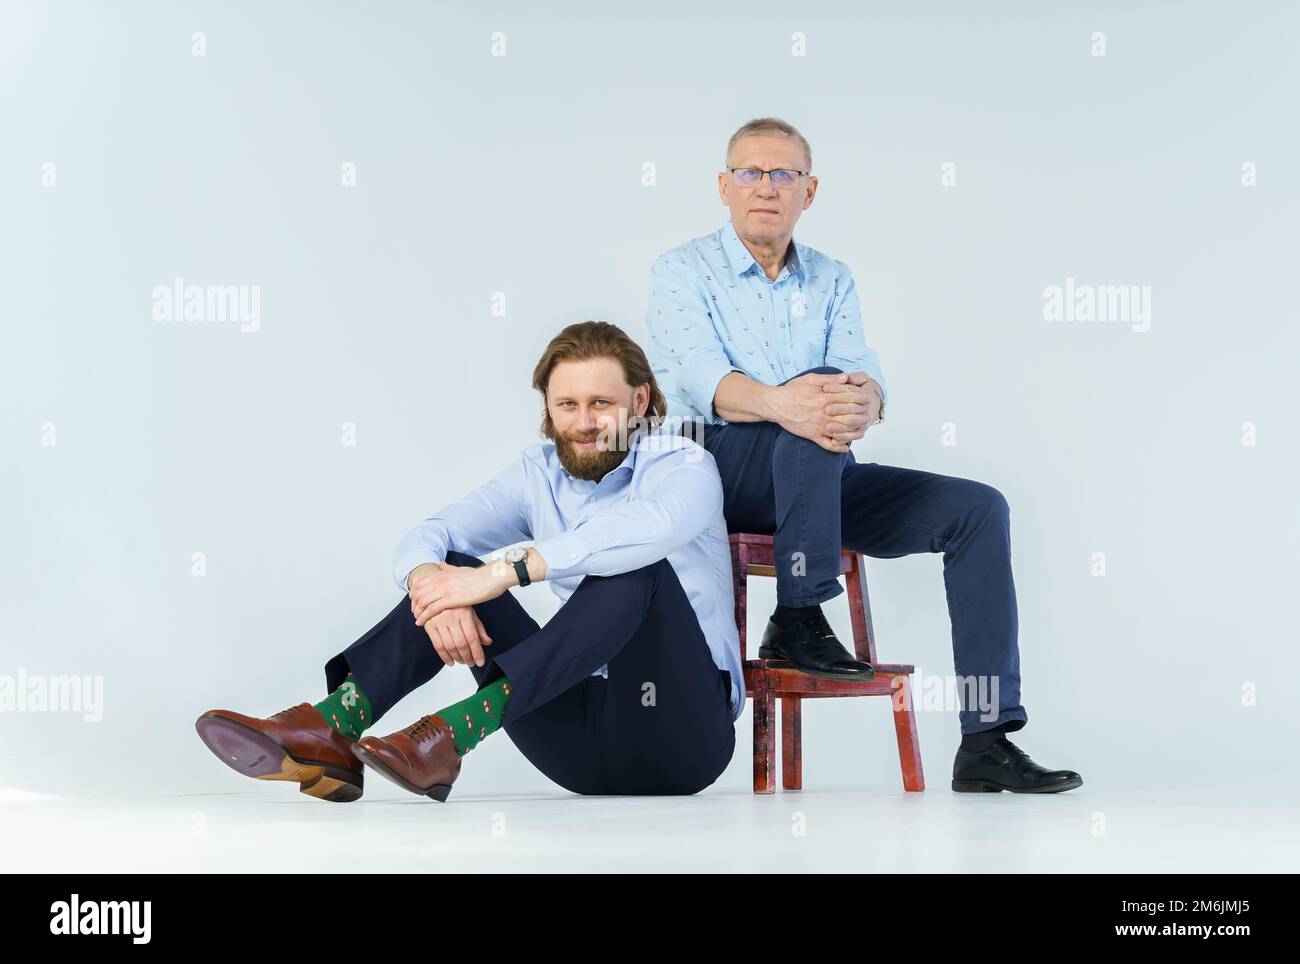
(757, 342)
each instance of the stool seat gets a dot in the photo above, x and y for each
(769, 680)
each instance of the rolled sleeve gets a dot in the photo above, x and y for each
(702, 381)
(846, 344)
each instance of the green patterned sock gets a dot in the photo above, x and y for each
(347, 709)
(476, 716)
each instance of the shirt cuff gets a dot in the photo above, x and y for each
(403, 567)
(563, 554)
(703, 385)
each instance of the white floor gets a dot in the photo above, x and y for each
(277, 828)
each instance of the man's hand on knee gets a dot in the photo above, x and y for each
(864, 381)
(831, 410)
(800, 408)
(854, 406)
(458, 636)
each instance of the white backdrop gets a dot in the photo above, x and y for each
(380, 173)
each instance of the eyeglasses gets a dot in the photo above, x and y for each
(781, 177)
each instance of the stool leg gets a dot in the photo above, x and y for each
(791, 743)
(864, 634)
(764, 742)
(909, 745)
(740, 573)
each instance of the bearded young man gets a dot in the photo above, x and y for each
(632, 687)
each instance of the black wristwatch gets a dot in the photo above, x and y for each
(516, 557)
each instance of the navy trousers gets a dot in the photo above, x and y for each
(813, 501)
(660, 723)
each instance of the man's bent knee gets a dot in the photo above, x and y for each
(462, 559)
(819, 370)
(982, 496)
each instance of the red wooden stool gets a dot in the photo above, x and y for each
(767, 680)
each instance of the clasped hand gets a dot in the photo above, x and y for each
(833, 422)
(442, 601)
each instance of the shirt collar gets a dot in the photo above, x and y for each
(741, 260)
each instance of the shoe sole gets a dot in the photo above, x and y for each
(254, 754)
(820, 674)
(984, 786)
(438, 791)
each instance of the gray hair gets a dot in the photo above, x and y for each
(768, 125)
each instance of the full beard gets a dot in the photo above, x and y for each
(589, 464)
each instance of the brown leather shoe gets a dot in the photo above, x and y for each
(421, 758)
(294, 744)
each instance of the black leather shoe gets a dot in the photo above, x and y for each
(812, 647)
(1004, 766)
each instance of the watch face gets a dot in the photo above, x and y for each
(516, 554)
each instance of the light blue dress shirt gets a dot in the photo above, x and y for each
(663, 501)
(713, 311)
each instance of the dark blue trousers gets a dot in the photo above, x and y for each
(660, 723)
(813, 502)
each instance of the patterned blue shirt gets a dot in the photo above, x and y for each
(713, 311)
(663, 501)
